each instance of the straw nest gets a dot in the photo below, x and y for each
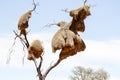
(23, 22)
(68, 42)
(81, 12)
(78, 18)
(77, 23)
(79, 45)
(35, 50)
(62, 38)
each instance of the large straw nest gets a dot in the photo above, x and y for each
(67, 41)
(62, 38)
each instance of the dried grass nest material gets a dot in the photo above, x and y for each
(23, 22)
(74, 26)
(79, 46)
(35, 50)
(81, 12)
(68, 42)
(79, 16)
(77, 23)
(62, 38)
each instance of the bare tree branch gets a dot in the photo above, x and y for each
(24, 42)
(51, 67)
(66, 10)
(27, 43)
(48, 25)
(34, 6)
(71, 47)
(51, 24)
(85, 2)
(10, 51)
(21, 39)
(38, 69)
(40, 64)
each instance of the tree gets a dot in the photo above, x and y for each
(65, 39)
(81, 73)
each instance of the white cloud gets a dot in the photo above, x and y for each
(98, 54)
(103, 50)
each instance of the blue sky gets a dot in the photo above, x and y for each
(102, 37)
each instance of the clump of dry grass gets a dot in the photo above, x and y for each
(79, 46)
(35, 50)
(78, 18)
(68, 42)
(23, 22)
(62, 38)
(81, 12)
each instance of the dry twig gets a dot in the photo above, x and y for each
(65, 10)
(85, 2)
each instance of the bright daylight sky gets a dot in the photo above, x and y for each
(102, 38)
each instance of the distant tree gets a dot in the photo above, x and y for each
(81, 73)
